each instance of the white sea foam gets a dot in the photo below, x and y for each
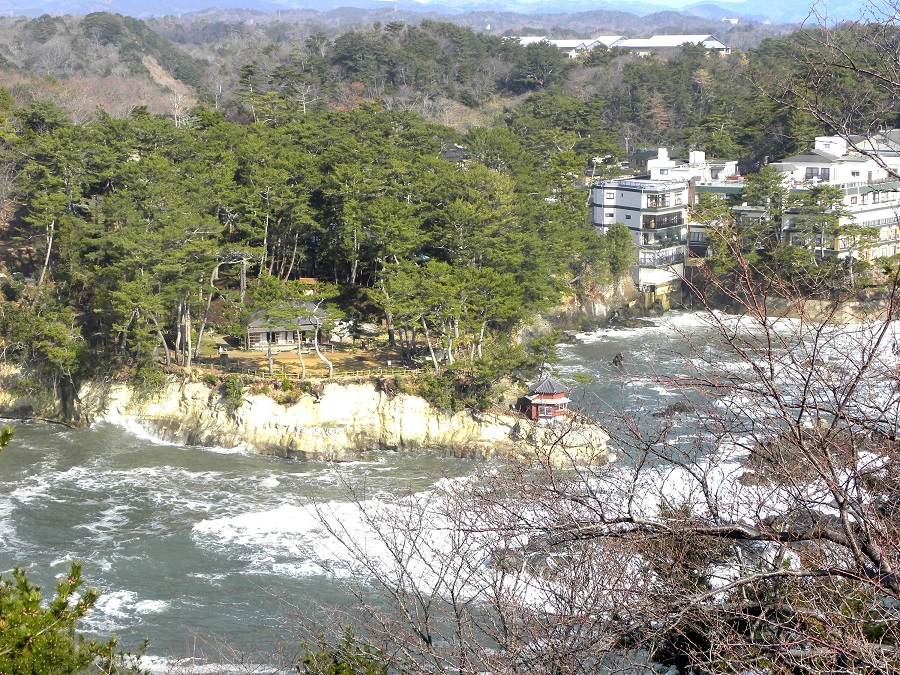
(135, 427)
(33, 491)
(160, 665)
(111, 521)
(302, 539)
(7, 528)
(207, 577)
(239, 449)
(670, 324)
(307, 568)
(150, 607)
(117, 603)
(117, 610)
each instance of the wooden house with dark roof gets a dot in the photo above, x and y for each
(546, 400)
(284, 332)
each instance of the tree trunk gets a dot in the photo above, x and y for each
(300, 355)
(203, 322)
(319, 353)
(265, 246)
(428, 341)
(290, 269)
(269, 356)
(276, 247)
(406, 343)
(243, 280)
(162, 338)
(448, 343)
(355, 265)
(179, 333)
(50, 232)
(392, 343)
(481, 337)
(187, 334)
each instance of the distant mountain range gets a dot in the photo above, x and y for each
(786, 11)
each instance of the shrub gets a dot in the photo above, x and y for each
(39, 637)
(233, 391)
(148, 378)
(348, 657)
(437, 390)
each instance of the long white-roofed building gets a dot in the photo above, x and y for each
(642, 46)
(660, 43)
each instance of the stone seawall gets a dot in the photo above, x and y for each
(343, 423)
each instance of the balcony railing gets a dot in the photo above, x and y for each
(661, 222)
(851, 184)
(643, 184)
(652, 258)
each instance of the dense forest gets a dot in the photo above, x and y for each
(433, 175)
(156, 182)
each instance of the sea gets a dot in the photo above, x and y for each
(212, 552)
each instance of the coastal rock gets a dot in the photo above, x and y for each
(344, 422)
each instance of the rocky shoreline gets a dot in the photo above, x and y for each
(345, 422)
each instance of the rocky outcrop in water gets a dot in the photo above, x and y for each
(342, 422)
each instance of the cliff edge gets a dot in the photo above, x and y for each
(344, 422)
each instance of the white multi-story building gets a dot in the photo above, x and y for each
(655, 211)
(870, 194)
(656, 207)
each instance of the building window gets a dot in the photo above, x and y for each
(663, 172)
(545, 411)
(609, 215)
(855, 174)
(627, 216)
(852, 200)
(663, 220)
(815, 172)
(876, 197)
(610, 195)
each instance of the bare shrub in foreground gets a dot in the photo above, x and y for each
(766, 537)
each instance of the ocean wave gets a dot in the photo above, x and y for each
(119, 610)
(134, 427)
(163, 665)
(111, 522)
(7, 528)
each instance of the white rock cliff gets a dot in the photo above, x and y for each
(343, 423)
